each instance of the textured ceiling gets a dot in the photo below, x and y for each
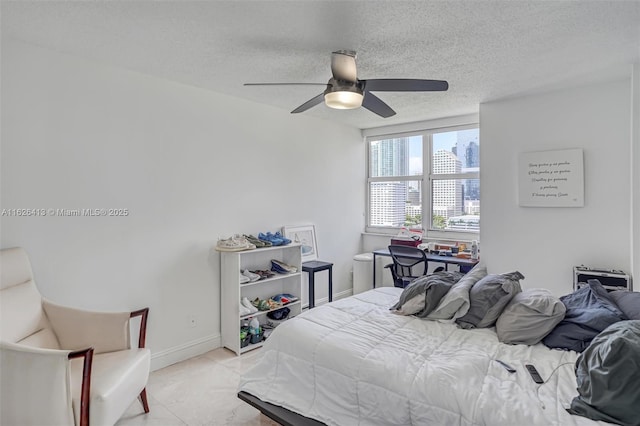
(486, 50)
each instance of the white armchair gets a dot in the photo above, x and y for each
(64, 366)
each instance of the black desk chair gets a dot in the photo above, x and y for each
(408, 264)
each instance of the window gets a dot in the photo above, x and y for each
(440, 167)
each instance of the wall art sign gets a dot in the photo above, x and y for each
(551, 178)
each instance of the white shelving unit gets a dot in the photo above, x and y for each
(232, 291)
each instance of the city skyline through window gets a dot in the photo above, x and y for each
(398, 174)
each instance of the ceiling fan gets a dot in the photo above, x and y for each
(345, 91)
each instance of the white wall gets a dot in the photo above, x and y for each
(545, 243)
(635, 171)
(189, 164)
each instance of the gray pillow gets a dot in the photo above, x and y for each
(424, 293)
(456, 302)
(608, 373)
(529, 317)
(590, 310)
(488, 297)
(628, 302)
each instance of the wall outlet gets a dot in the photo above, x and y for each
(192, 320)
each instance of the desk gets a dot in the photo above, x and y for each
(311, 267)
(466, 263)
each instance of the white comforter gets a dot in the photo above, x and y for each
(353, 362)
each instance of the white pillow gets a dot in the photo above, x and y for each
(529, 317)
(455, 303)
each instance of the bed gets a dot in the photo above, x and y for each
(354, 362)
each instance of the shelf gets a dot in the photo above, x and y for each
(231, 291)
(256, 314)
(263, 249)
(274, 278)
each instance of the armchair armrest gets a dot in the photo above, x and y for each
(144, 314)
(78, 329)
(36, 387)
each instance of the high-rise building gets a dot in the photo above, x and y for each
(447, 193)
(467, 148)
(387, 199)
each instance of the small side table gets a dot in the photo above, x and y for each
(311, 267)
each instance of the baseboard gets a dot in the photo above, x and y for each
(185, 351)
(336, 296)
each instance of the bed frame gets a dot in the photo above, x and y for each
(277, 413)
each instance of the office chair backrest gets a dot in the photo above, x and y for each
(408, 264)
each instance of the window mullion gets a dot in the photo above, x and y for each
(443, 176)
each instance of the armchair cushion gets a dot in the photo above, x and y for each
(22, 314)
(77, 329)
(117, 378)
(44, 338)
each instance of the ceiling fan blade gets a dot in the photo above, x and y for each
(343, 65)
(309, 104)
(376, 105)
(404, 85)
(284, 84)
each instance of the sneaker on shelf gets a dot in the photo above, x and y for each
(282, 267)
(235, 243)
(252, 277)
(260, 304)
(247, 304)
(265, 305)
(270, 238)
(257, 241)
(244, 311)
(264, 274)
(244, 279)
(284, 239)
(284, 298)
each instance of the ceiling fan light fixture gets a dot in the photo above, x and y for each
(343, 99)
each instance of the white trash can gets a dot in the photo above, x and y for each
(362, 272)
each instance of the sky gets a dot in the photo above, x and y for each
(440, 141)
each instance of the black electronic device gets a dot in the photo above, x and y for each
(534, 373)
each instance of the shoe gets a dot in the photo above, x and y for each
(265, 305)
(264, 274)
(245, 302)
(257, 241)
(244, 279)
(235, 243)
(282, 268)
(252, 277)
(284, 298)
(270, 238)
(244, 311)
(259, 304)
(284, 239)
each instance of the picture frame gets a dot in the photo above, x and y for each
(553, 178)
(305, 235)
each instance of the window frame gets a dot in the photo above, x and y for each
(427, 177)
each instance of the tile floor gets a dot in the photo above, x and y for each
(198, 391)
